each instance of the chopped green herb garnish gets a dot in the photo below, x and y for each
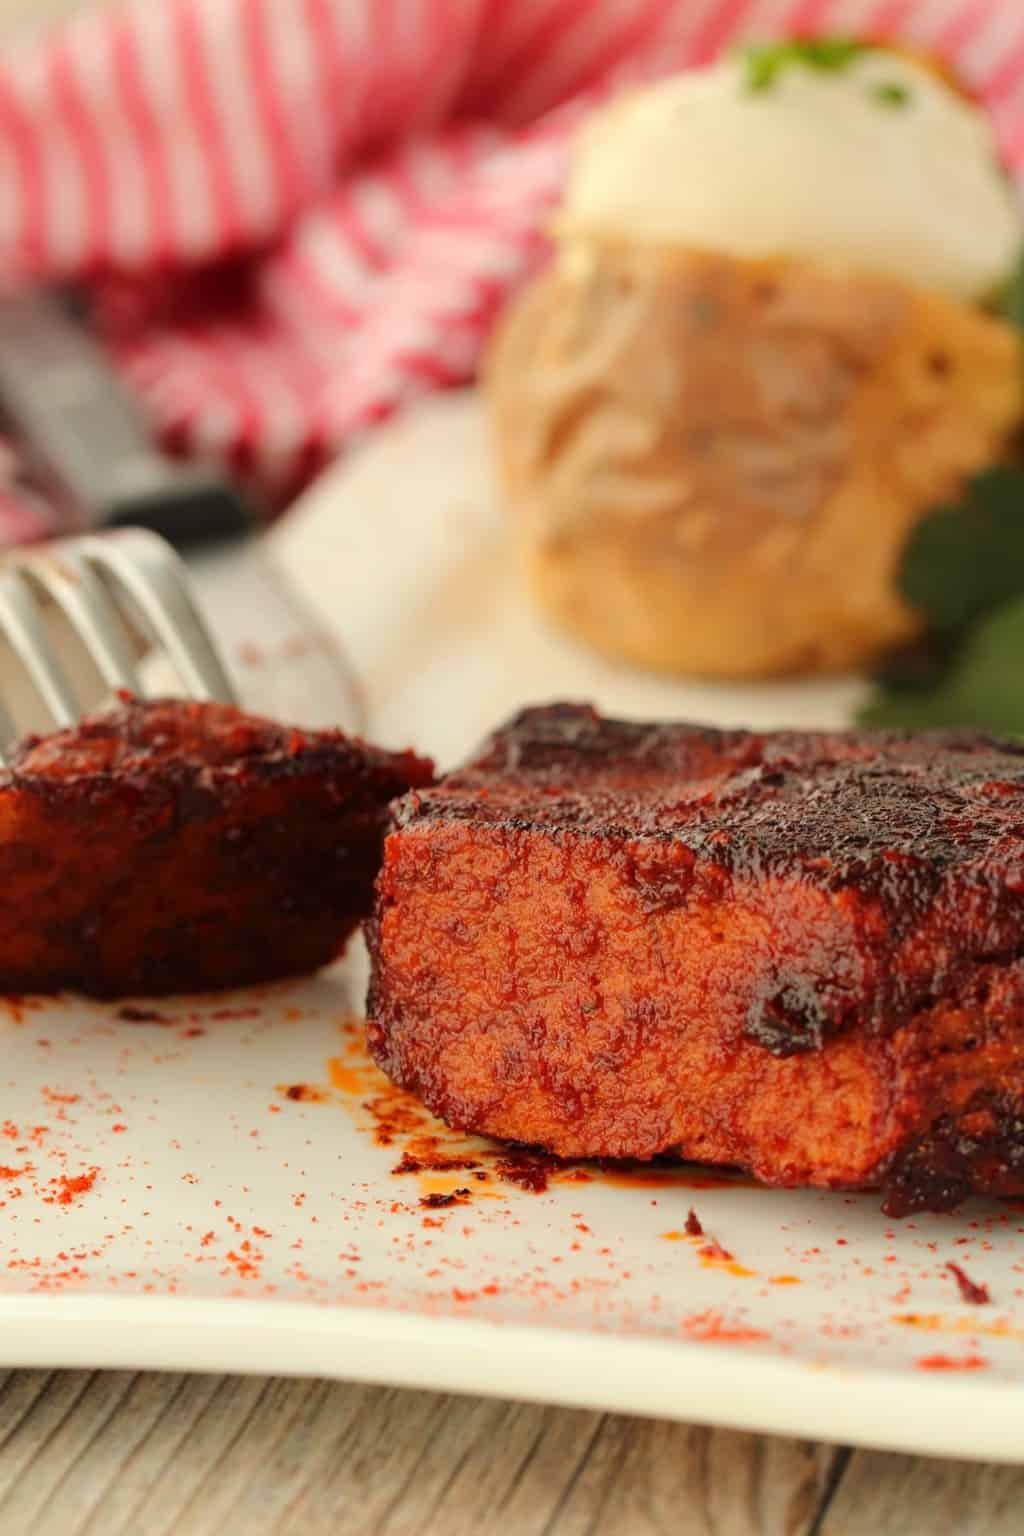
(765, 62)
(891, 93)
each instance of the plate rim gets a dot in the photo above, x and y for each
(877, 1408)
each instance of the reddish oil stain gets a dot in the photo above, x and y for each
(644, 1176)
(392, 1112)
(935, 1322)
(714, 1250)
(452, 1183)
(346, 1079)
(714, 1256)
(739, 1271)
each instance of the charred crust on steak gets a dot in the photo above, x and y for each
(939, 1170)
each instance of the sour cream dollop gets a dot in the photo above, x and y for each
(879, 165)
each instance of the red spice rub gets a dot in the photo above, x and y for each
(171, 846)
(798, 954)
(950, 1363)
(69, 1186)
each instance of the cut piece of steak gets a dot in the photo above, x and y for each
(174, 846)
(798, 954)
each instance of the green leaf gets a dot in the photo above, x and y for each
(765, 62)
(962, 560)
(1011, 301)
(984, 688)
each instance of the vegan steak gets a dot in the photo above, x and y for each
(168, 846)
(798, 954)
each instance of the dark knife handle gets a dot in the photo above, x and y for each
(85, 436)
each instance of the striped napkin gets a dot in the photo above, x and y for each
(297, 215)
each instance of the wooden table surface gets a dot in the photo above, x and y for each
(109, 1452)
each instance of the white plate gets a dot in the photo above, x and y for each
(164, 1202)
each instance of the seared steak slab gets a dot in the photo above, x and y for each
(171, 846)
(799, 954)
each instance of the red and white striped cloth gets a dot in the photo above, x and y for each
(298, 214)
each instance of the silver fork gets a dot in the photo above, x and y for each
(90, 447)
(108, 587)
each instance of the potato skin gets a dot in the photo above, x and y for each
(714, 465)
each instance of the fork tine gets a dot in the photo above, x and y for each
(77, 590)
(153, 575)
(78, 576)
(25, 628)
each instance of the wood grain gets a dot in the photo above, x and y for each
(117, 1454)
(122, 1454)
(886, 1495)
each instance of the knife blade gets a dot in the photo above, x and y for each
(85, 438)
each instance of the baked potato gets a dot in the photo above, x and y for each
(764, 351)
(714, 463)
